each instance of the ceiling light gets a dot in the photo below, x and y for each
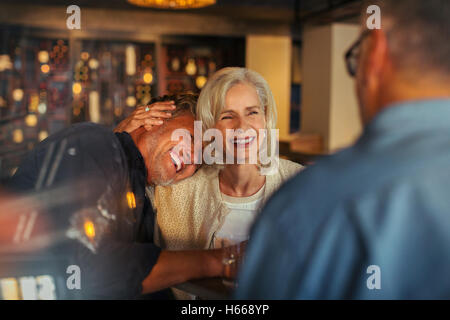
(173, 4)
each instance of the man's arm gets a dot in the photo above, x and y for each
(174, 267)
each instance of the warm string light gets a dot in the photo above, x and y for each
(191, 67)
(76, 88)
(17, 135)
(43, 56)
(45, 68)
(131, 200)
(5, 62)
(31, 120)
(200, 81)
(42, 135)
(89, 229)
(17, 95)
(148, 77)
(173, 4)
(131, 101)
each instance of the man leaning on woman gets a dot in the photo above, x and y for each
(220, 201)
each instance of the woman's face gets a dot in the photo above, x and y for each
(242, 113)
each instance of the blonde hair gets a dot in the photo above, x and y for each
(212, 97)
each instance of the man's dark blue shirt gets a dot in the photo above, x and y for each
(92, 164)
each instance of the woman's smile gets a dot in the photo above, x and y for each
(244, 142)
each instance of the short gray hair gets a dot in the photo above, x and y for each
(183, 102)
(418, 33)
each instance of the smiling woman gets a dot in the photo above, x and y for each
(237, 99)
(220, 202)
(217, 205)
(244, 115)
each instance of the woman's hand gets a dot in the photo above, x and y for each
(147, 116)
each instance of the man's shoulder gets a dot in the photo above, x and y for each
(81, 157)
(354, 175)
(84, 133)
(315, 189)
(329, 169)
(79, 141)
(83, 130)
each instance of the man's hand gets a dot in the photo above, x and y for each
(174, 267)
(147, 116)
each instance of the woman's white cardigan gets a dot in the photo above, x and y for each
(189, 212)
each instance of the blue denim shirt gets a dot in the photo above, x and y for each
(370, 222)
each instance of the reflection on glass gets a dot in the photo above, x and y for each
(28, 288)
(10, 289)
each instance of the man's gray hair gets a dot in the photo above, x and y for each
(183, 102)
(418, 33)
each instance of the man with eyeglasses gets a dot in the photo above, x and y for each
(372, 221)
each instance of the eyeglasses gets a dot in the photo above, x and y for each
(352, 54)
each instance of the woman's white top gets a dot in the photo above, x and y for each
(189, 212)
(238, 221)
